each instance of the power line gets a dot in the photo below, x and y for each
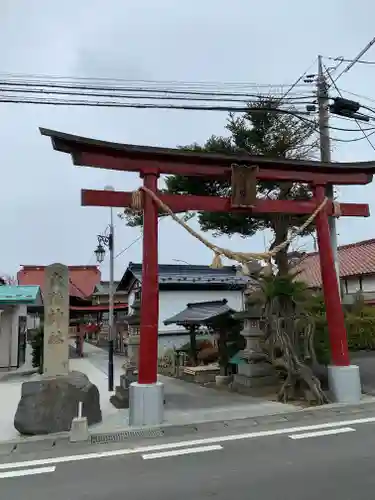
(358, 95)
(356, 59)
(139, 83)
(114, 104)
(63, 88)
(71, 90)
(129, 246)
(340, 94)
(173, 97)
(298, 80)
(356, 139)
(342, 59)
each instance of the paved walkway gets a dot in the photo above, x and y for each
(10, 394)
(185, 402)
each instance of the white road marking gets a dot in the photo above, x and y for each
(27, 472)
(328, 432)
(181, 444)
(185, 451)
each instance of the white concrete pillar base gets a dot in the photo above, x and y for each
(345, 383)
(146, 404)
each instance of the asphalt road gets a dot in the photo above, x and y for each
(278, 463)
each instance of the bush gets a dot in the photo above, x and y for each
(37, 342)
(360, 330)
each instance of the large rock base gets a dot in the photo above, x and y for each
(49, 405)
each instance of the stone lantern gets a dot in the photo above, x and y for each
(134, 321)
(253, 370)
(121, 397)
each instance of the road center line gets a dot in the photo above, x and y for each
(27, 472)
(327, 432)
(181, 444)
(184, 451)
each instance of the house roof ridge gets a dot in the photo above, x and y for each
(71, 267)
(355, 244)
(197, 267)
(355, 259)
(219, 302)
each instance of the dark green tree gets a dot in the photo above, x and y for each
(260, 131)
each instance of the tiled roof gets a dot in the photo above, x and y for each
(192, 275)
(83, 279)
(200, 313)
(102, 288)
(355, 259)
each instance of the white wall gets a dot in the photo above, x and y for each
(9, 335)
(5, 332)
(353, 284)
(166, 342)
(131, 298)
(173, 302)
(33, 321)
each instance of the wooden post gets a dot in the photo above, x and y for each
(148, 347)
(335, 315)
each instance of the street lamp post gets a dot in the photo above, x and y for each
(108, 241)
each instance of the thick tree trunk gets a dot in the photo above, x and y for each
(280, 226)
(280, 229)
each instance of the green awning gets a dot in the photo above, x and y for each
(14, 294)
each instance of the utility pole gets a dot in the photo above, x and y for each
(325, 153)
(111, 332)
(108, 241)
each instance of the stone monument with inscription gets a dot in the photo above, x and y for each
(51, 401)
(56, 321)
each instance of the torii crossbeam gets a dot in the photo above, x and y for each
(151, 162)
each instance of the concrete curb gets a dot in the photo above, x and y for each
(51, 441)
(321, 412)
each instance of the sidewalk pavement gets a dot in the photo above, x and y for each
(25, 370)
(189, 407)
(10, 393)
(186, 403)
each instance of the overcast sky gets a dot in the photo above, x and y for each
(211, 40)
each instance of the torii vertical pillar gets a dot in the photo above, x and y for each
(344, 379)
(146, 397)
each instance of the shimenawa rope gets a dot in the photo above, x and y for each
(241, 257)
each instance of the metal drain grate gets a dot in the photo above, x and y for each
(118, 437)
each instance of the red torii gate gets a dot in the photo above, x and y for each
(150, 162)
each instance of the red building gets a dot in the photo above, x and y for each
(82, 280)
